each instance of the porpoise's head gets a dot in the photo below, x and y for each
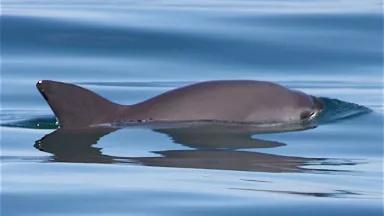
(275, 103)
(306, 107)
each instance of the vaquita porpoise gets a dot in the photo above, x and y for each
(241, 101)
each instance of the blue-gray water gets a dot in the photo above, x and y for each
(129, 51)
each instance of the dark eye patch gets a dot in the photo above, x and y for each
(306, 115)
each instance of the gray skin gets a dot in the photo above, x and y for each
(228, 101)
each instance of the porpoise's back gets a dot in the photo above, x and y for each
(230, 100)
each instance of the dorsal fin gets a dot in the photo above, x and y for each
(76, 107)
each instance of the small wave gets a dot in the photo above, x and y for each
(336, 110)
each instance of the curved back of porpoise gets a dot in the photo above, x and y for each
(229, 101)
(77, 107)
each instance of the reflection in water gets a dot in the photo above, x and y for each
(214, 148)
(333, 194)
(218, 136)
(75, 145)
(227, 160)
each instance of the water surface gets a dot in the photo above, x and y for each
(129, 51)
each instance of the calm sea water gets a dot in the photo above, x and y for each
(129, 51)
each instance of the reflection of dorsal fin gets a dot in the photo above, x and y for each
(76, 107)
(76, 145)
